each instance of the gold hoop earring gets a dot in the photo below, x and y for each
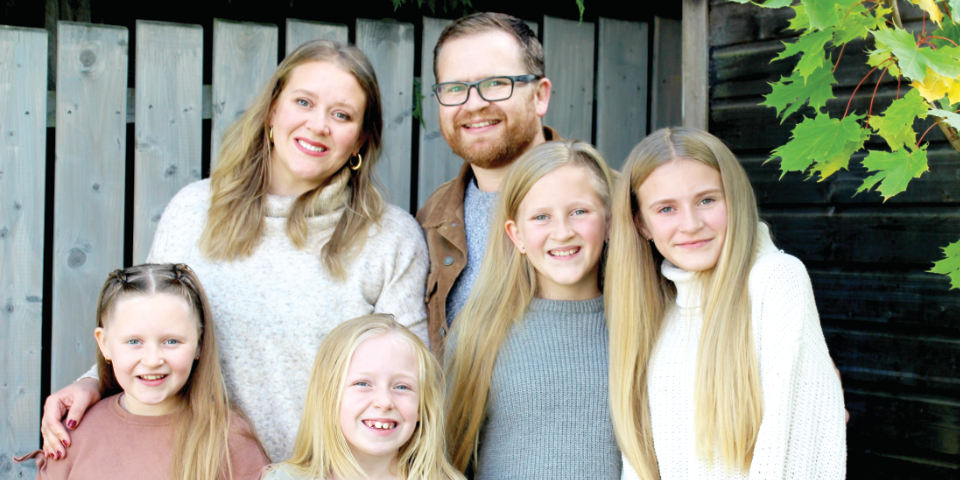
(270, 134)
(356, 166)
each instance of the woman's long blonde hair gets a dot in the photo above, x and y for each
(727, 395)
(241, 178)
(200, 449)
(322, 451)
(505, 285)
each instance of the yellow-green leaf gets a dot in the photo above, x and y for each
(931, 8)
(894, 170)
(791, 93)
(950, 264)
(895, 125)
(822, 145)
(800, 20)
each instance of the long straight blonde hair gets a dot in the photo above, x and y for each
(322, 451)
(727, 395)
(240, 181)
(505, 285)
(203, 426)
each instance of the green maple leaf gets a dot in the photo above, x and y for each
(826, 13)
(894, 170)
(791, 93)
(877, 57)
(821, 144)
(952, 119)
(857, 23)
(950, 264)
(800, 20)
(914, 60)
(812, 46)
(948, 29)
(895, 125)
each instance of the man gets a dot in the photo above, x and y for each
(492, 94)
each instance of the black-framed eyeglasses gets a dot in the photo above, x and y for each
(493, 89)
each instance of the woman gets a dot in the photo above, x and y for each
(290, 237)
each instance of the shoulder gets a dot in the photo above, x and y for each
(396, 227)
(773, 267)
(447, 196)
(396, 219)
(192, 193)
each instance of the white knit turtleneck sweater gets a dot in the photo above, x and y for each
(802, 434)
(272, 308)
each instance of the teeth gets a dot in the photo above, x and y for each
(482, 124)
(152, 377)
(564, 253)
(311, 147)
(380, 425)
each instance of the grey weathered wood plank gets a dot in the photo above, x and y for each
(568, 47)
(302, 31)
(389, 46)
(666, 93)
(89, 186)
(168, 146)
(621, 87)
(244, 58)
(23, 96)
(696, 50)
(437, 163)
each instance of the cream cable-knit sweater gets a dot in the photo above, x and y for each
(272, 309)
(803, 433)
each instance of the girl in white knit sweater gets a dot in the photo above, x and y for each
(718, 365)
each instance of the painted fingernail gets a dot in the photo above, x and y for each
(59, 454)
(66, 443)
(71, 424)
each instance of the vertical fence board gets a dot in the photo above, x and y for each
(23, 106)
(244, 57)
(437, 162)
(389, 45)
(621, 88)
(89, 186)
(696, 50)
(666, 94)
(302, 31)
(568, 47)
(168, 121)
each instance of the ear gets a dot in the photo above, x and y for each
(641, 227)
(98, 333)
(513, 231)
(542, 96)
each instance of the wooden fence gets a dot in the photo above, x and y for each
(103, 213)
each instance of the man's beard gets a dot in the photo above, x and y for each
(517, 141)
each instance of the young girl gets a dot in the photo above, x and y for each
(373, 409)
(718, 368)
(528, 352)
(165, 413)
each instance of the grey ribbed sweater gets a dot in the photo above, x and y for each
(547, 410)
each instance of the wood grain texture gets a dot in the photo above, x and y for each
(89, 188)
(301, 31)
(389, 46)
(694, 62)
(168, 151)
(568, 47)
(23, 97)
(244, 58)
(622, 67)
(666, 87)
(437, 163)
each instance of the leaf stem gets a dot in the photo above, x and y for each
(854, 92)
(874, 96)
(837, 64)
(896, 14)
(942, 38)
(934, 124)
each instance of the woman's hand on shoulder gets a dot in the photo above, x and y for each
(72, 401)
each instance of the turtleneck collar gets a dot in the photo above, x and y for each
(689, 286)
(332, 198)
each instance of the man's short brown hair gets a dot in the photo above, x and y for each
(485, 21)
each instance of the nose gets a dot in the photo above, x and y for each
(319, 124)
(562, 229)
(691, 220)
(152, 355)
(383, 399)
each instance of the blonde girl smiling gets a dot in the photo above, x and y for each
(718, 365)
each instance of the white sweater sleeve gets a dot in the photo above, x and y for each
(405, 273)
(803, 432)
